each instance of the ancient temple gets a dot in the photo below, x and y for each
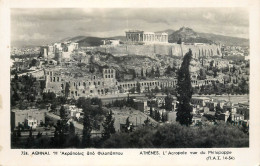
(142, 37)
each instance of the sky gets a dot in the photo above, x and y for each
(48, 25)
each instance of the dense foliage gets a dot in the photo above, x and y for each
(177, 136)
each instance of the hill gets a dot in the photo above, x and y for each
(169, 31)
(188, 36)
(227, 40)
(85, 41)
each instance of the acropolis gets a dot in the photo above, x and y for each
(136, 36)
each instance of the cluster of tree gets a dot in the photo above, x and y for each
(34, 62)
(152, 74)
(129, 102)
(136, 89)
(219, 88)
(50, 99)
(155, 114)
(179, 136)
(89, 124)
(24, 89)
(92, 108)
(171, 71)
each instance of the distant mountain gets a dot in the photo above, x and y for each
(90, 41)
(73, 39)
(227, 40)
(121, 38)
(169, 31)
(187, 35)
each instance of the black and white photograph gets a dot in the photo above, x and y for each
(130, 78)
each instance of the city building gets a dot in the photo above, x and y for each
(201, 101)
(30, 117)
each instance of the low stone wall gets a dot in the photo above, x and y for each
(162, 49)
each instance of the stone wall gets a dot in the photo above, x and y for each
(162, 49)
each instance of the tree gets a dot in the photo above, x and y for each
(146, 73)
(243, 86)
(33, 62)
(215, 72)
(67, 89)
(16, 76)
(157, 116)
(152, 72)
(179, 41)
(142, 72)
(184, 92)
(72, 129)
(157, 72)
(128, 126)
(164, 117)
(108, 125)
(151, 111)
(211, 64)
(202, 75)
(168, 102)
(229, 119)
(87, 128)
(156, 89)
(138, 87)
(30, 140)
(168, 70)
(134, 74)
(132, 90)
(147, 122)
(53, 107)
(62, 112)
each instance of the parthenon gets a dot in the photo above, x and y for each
(136, 36)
